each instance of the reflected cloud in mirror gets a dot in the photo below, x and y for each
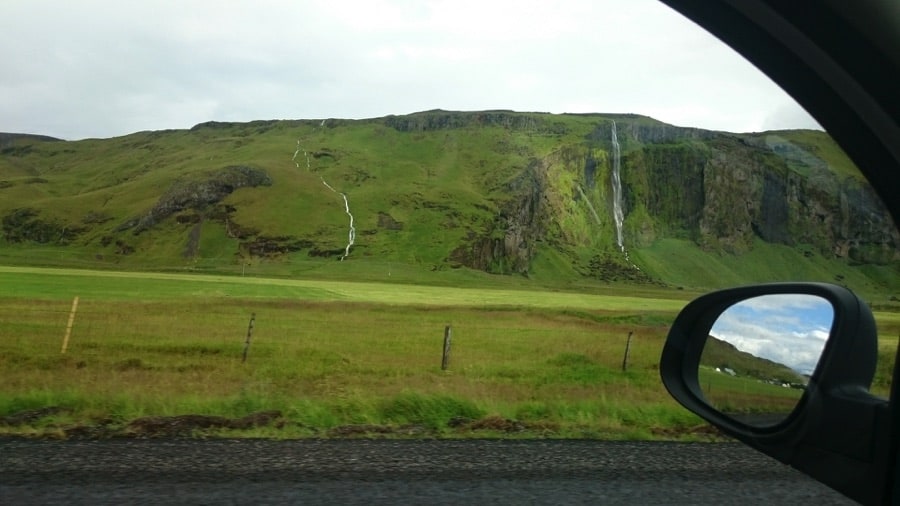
(760, 353)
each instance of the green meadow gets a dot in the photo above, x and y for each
(338, 357)
(329, 354)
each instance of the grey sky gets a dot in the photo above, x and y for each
(102, 68)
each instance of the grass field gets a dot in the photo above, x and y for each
(330, 355)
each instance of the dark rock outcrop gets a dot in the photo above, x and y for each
(386, 221)
(199, 195)
(513, 239)
(726, 191)
(445, 120)
(26, 225)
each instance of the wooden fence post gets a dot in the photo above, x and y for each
(65, 343)
(627, 348)
(249, 334)
(445, 359)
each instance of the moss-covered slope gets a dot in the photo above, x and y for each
(495, 191)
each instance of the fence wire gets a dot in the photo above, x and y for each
(160, 327)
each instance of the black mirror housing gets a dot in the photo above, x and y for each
(838, 430)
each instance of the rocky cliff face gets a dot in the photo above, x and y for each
(512, 240)
(723, 191)
(445, 120)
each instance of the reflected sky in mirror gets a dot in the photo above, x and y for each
(790, 329)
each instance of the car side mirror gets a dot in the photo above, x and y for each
(760, 354)
(785, 368)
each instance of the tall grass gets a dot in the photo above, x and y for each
(158, 347)
(328, 354)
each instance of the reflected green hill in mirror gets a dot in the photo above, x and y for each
(722, 355)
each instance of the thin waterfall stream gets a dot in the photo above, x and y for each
(618, 210)
(352, 233)
(618, 213)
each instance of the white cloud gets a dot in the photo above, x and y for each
(790, 329)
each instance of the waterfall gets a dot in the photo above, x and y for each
(589, 205)
(351, 239)
(352, 235)
(618, 213)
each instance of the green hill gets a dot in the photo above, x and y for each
(721, 355)
(446, 195)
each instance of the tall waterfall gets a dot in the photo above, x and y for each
(618, 213)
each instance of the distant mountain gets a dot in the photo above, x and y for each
(8, 139)
(502, 192)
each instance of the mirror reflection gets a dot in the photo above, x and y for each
(760, 354)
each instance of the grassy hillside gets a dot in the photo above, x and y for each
(721, 354)
(436, 198)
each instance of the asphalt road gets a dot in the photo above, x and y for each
(373, 472)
